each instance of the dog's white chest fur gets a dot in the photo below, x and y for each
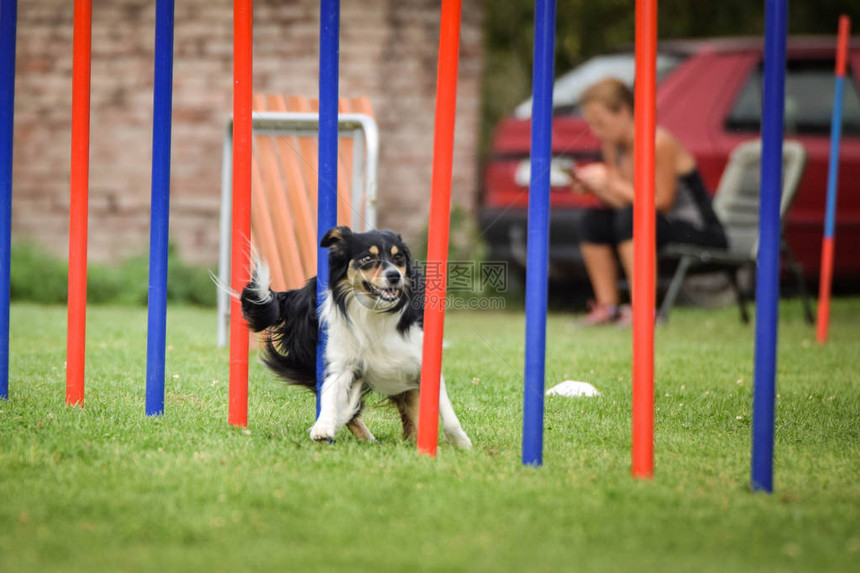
(365, 347)
(369, 344)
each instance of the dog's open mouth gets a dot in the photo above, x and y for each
(386, 294)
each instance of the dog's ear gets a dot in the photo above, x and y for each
(412, 266)
(397, 240)
(338, 254)
(408, 254)
(335, 235)
(404, 248)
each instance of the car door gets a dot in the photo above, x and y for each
(808, 107)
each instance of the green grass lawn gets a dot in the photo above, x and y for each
(107, 489)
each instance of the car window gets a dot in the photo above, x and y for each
(569, 87)
(808, 100)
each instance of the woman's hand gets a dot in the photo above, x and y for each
(591, 178)
(576, 185)
(597, 179)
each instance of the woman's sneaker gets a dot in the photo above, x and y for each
(600, 314)
(625, 317)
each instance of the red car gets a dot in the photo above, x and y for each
(709, 96)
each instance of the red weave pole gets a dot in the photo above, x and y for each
(78, 204)
(842, 49)
(241, 229)
(644, 240)
(824, 288)
(440, 212)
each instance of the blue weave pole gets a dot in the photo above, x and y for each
(327, 182)
(833, 169)
(8, 24)
(767, 277)
(160, 214)
(538, 233)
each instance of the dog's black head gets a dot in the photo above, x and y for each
(374, 267)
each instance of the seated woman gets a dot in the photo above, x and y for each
(684, 213)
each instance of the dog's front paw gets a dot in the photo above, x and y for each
(322, 431)
(459, 438)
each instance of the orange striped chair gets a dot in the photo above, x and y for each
(284, 187)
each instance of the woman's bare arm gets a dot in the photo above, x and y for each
(665, 172)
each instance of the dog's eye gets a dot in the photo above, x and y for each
(398, 259)
(366, 259)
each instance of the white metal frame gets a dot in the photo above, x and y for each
(364, 177)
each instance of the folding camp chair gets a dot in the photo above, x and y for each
(736, 204)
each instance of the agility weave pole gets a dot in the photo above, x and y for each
(327, 173)
(160, 208)
(439, 225)
(241, 211)
(8, 29)
(644, 239)
(77, 298)
(828, 243)
(78, 204)
(767, 276)
(538, 233)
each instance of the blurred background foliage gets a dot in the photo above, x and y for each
(585, 28)
(39, 277)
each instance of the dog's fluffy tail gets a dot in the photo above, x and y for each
(259, 304)
(289, 319)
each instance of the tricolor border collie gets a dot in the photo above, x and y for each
(373, 312)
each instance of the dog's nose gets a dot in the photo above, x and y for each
(393, 277)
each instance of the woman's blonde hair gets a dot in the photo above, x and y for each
(611, 92)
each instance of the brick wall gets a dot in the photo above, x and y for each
(388, 53)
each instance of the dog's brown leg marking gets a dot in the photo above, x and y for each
(359, 430)
(407, 405)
